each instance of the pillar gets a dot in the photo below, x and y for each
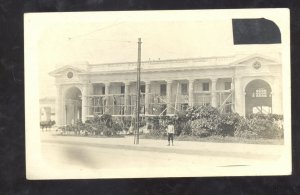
(169, 96)
(191, 92)
(214, 102)
(147, 96)
(84, 103)
(90, 91)
(58, 106)
(276, 97)
(127, 98)
(107, 86)
(239, 96)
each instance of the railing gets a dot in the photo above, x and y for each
(202, 99)
(157, 104)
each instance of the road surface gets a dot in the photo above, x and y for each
(85, 157)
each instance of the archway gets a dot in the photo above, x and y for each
(73, 105)
(258, 97)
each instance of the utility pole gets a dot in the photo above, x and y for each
(138, 94)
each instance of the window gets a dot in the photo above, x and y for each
(142, 89)
(163, 89)
(184, 89)
(103, 90)
(227, 85)
(261, 92)
(205, 86)
(70, 75)
(122, 89)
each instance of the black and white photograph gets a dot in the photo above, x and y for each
(146, 94)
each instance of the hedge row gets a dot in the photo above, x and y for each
(204, 121)
(200, 121)
(103, 125)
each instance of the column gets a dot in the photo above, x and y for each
(276, 97)
(147, 96)
(107, 86)
(169, 96)
(191, 92)
(239, 96)
(214, 102)
(84, 103)
(58, 106)
(127, 98)
(90, 91)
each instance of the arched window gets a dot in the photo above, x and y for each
(261, 92)
(258, 97)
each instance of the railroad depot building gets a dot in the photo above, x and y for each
(47, 109)
(243, 83)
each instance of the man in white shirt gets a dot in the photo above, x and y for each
(171, 131)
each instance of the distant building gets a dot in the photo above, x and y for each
(47, 109)
(242, 84)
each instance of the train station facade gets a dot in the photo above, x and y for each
(243, 83)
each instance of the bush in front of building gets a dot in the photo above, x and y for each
(182, 124)
(46, 124)
(228, 123)
(245, 130)
(102, 125)
(267, 126)
(204, 120)
(157, 127)
(203, 111)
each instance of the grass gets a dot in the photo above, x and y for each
(218, 139)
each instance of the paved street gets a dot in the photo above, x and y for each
(71, 153)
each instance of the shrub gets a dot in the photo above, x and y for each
(265, 128)
(107, 132)
(259, 126)
(244, 130)
(116, 128)
(228, 123)
(154, 121)
(204, 127)
(186, 129)
(158, 124)
(182, 123)
(203, 111)
(46, 124)
(205, 120)
(271, 117)
(106, 118)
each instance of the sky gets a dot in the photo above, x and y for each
(67, 40)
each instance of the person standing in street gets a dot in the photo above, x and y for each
(170, 131)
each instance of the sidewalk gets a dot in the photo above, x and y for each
(238, 150)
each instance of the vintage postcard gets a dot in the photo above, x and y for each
(135, 94)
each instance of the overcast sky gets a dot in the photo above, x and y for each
(68, 41)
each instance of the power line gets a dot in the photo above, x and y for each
(99, 29)
(110, 40)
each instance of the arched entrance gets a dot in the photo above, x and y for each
(258, 97)
(73, 105)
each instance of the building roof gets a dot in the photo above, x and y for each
(47, 100)
(152, 65)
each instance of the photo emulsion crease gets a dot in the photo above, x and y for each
(157, 94)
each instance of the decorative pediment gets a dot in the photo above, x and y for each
(256, 61)
(68, 70)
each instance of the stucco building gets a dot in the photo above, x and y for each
(47, 109)
(243, 83)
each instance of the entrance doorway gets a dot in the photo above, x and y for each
(73, 105)
(258, 97)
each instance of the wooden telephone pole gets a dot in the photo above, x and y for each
(138, 94)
